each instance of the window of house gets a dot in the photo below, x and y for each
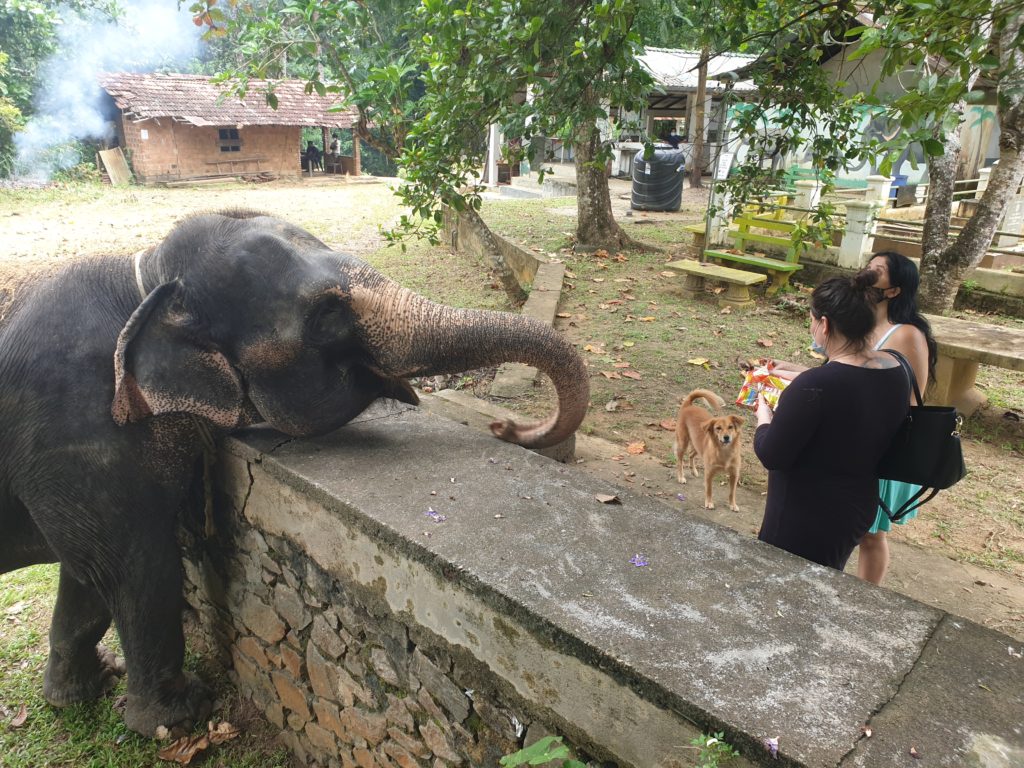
(229, 140)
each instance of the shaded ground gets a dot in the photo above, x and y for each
(620, 309)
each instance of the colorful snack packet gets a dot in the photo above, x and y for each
(761, 380)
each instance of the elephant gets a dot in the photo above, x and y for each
(113, 372)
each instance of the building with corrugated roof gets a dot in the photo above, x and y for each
(672, 103)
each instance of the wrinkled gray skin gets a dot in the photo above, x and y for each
(241, 318)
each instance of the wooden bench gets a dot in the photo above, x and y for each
(738, 281)
(963, 345)
(239, 164)
(779, 269)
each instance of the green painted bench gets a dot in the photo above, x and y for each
(780, 270)
(794, 174)
(737, 281)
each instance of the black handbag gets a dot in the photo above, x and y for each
(924, 451)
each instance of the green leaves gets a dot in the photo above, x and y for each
(541, 752)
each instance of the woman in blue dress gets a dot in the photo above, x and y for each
(900, 326)
(832, 424)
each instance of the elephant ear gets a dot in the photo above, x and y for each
(162, 365)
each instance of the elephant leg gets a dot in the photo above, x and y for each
(147, 613)
(22, 543)
(78, 668)
(119, 560)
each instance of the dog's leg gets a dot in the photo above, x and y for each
(734, 480)
(679, 447)
(708, 477)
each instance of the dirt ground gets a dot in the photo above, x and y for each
(962, 556)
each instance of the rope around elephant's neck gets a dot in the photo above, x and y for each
(209, 459)
(138, 272)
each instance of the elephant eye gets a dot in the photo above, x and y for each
(329, 325)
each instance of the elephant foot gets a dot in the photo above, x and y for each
(182, 702)
(68, 681)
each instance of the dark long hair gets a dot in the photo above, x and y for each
(903, 274)
(849, 304)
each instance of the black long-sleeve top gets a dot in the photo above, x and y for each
(830, 428)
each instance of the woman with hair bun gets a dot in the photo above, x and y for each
(831, 426)
(899, 326)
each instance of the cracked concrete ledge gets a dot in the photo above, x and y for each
(531, 574)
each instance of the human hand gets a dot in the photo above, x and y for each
(785, 369)
(764, 411)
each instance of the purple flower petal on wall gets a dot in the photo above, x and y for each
(437, 517)
(639, 561)
(772, 745)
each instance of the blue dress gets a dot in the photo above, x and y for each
(893, 492)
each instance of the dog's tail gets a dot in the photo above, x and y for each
(716, 402)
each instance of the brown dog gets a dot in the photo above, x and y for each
(715, 438)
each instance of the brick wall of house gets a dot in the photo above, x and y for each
(163, 150)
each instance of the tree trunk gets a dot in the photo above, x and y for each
(697, 169)
(472, 226)
(937, 213)
(943, 266)
(595, 225)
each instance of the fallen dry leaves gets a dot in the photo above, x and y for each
(187, 748)
(20, 718)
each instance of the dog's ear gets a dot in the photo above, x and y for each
(737, 421)
(709, 426)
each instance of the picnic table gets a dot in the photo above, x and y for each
(963, 345)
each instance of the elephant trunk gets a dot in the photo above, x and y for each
(409, 335)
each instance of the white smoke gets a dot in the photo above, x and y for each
(149, 34)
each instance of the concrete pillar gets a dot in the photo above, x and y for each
(983, 176)
(859, 237)
(879, 188)
(357, 163)
(493, 149)
(808, 194)
(719, 225)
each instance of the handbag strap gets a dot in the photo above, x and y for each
(909, 371)
(909, 505)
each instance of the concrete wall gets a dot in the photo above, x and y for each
(463, 236)
(408, 592)
(164, 150)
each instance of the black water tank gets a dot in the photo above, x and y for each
(658, 182)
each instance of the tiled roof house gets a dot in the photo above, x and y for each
(177, 126)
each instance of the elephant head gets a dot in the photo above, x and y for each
(246, 318)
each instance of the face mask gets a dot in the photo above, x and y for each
(815, 346)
